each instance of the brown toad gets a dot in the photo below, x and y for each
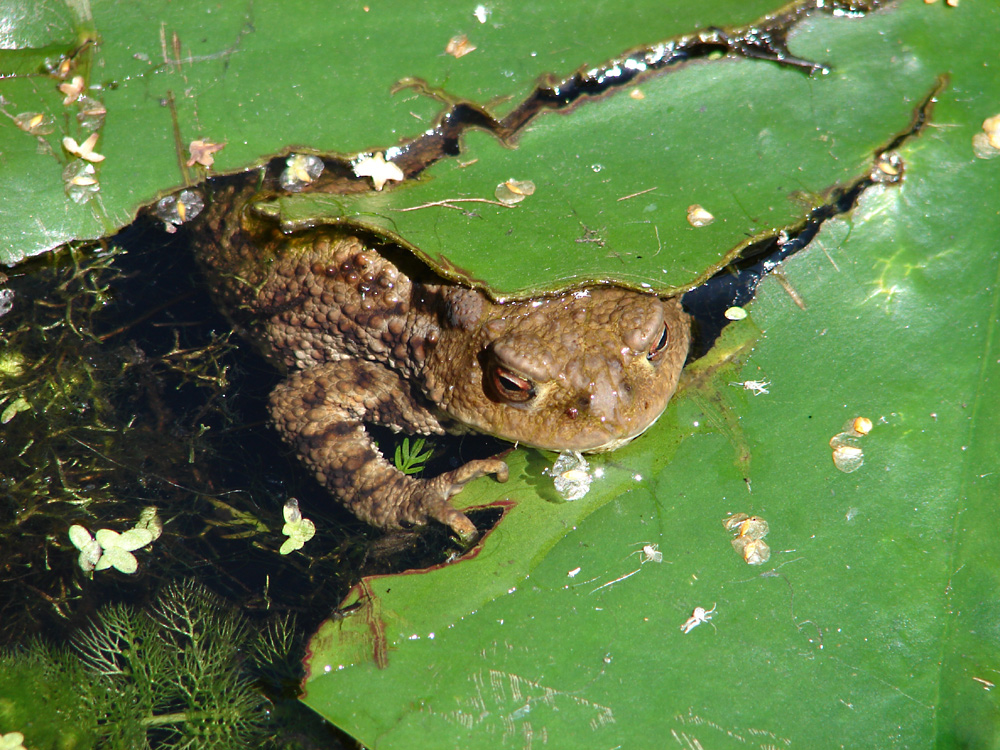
(587, 370)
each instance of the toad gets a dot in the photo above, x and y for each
(366, 343)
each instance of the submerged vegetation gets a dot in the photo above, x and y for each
(185, 673)
(117, 388)
(117, 403)
(92, 431)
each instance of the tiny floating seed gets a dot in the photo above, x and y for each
(862, 425)
(749, 543)
(754, 527)
(731, 523)
(459, 46)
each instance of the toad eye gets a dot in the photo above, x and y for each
(511, 387)
(660, 345)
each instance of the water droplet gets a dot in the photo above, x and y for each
(35, 123)
(571, 475)
(177, 209)
(513, 191)
(300, 170)
(80, 181)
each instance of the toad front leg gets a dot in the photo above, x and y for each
(321, 412)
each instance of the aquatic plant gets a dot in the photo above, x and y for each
(182, 674)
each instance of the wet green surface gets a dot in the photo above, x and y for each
(877, 610)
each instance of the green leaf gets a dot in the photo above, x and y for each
(410, 458)
(261, 64)
(874, 621)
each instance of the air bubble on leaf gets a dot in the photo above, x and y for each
(986, 144)
(756, 552)
(848, 458)
(90, 113)
(300, 170)
(177, 209)
(512, 192)
(35, 123)
(80, 181)
(888, 168)
(571, 475)
(698, 217)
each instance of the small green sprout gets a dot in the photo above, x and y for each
(116, 549)
(113, 550)
(12, 741)
(18, 404)
(11, 364)
(409, 458)
(150, 520)
(299, 530)
(90, 550)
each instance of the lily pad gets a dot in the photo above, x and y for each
(599, 213)
(870, 624)
(327, 74)
(878, 605)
